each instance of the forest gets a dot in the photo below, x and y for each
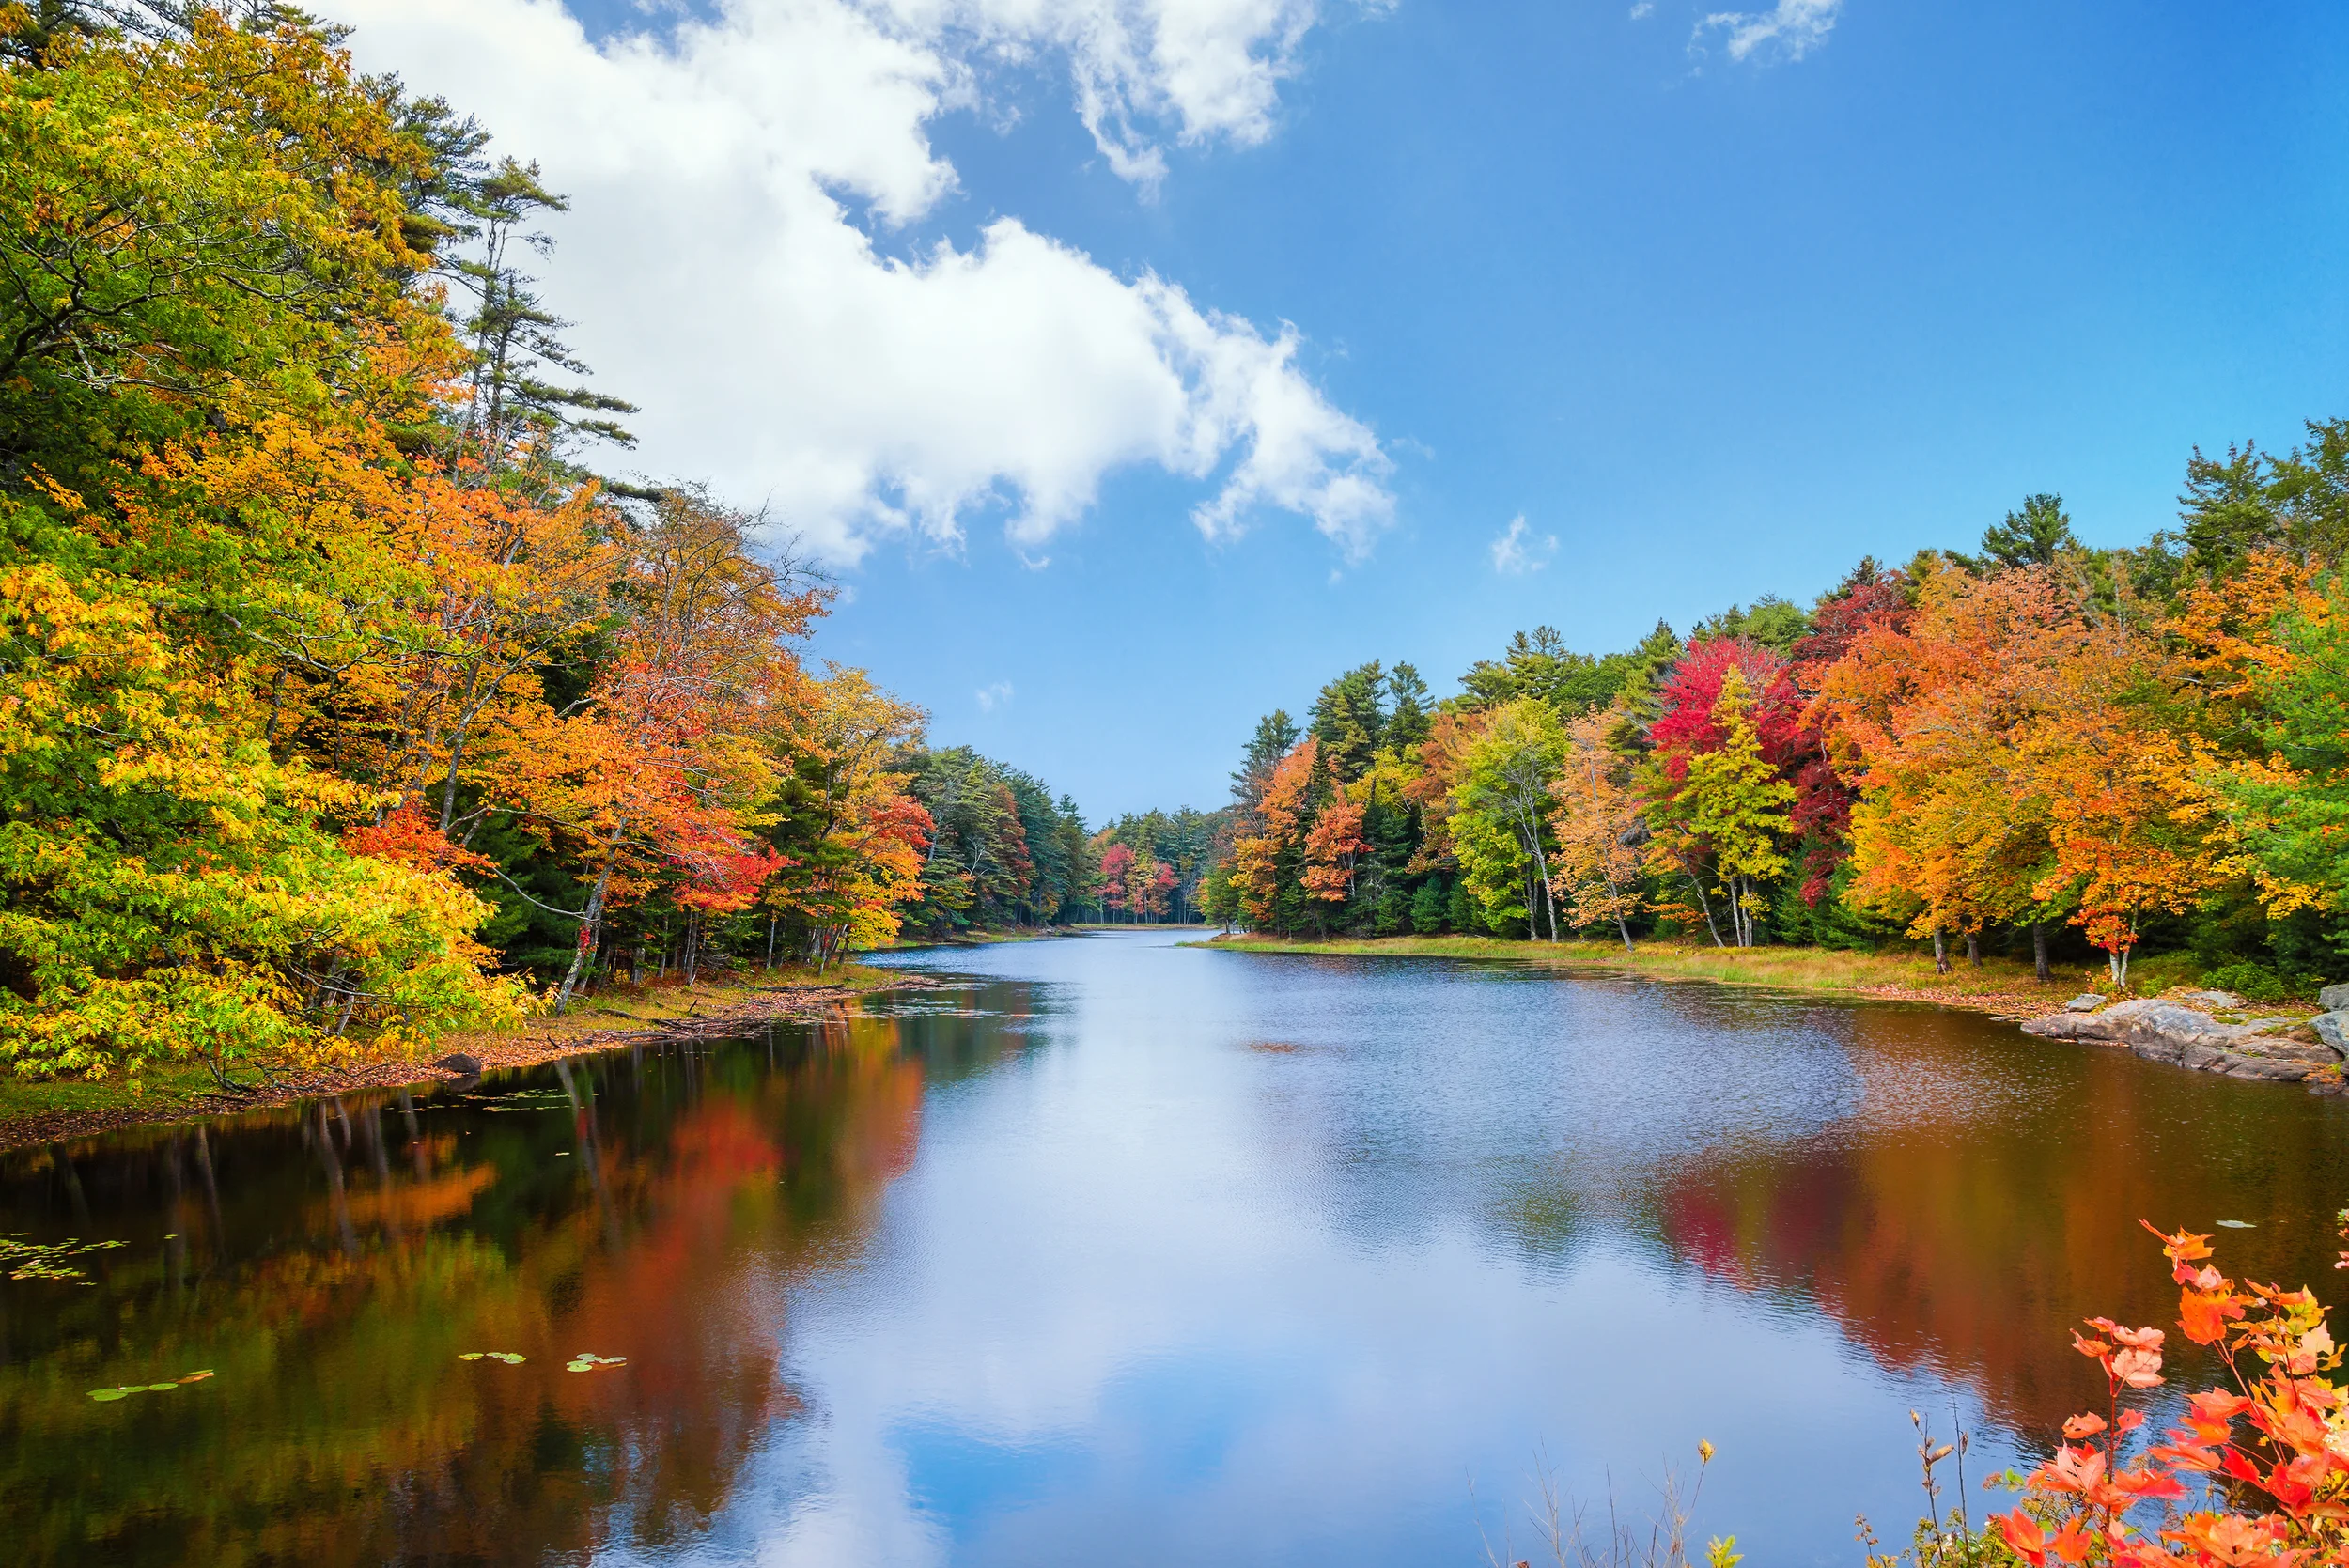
(2035, 745)
(350, 688)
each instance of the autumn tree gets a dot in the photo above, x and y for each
(1267, 859)
(1332, 846)
(1596, 821)
(1726, 811)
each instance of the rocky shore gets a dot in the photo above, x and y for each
(2216, 1031)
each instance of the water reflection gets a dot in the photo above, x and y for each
(1119, 1250)
(330, 1263)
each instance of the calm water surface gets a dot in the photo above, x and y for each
(1114, 1251)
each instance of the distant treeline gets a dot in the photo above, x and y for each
(2036, 742)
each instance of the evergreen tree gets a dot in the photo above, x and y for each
(1349, 721)
(1406, 713)
(2033, 536)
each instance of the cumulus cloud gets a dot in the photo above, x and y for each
(1202, 68)
(1791, 30)
(995, 696)
(1644, 10)
(726, 177)
(1519, 549)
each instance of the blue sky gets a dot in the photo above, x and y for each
(1714, 327)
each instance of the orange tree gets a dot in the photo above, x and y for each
(2020, 754)
(1267, 859)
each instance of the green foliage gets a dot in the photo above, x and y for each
(1501, 803)
(1460, 913)
(1773, 622)
(1002, 851)
(2034, 536)
(2293, 821)
(1429, 907)
(2259, 982)
(2249, 500)
(1349, 720)
(1539, 665)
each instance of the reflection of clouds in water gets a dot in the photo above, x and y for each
(1153, 1293)
(1382, 1412)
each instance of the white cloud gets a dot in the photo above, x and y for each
(1794, 29)
(1517, 549)
(715, 260)
(994, 696)
(1210, 68)
(1644, 10)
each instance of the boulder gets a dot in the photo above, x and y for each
(2333, 1029)
(2088, 1001)
(2333, 998)
(2164, 1029)
(458, 1062)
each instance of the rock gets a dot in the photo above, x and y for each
(2212, 1001)
(458, 1062)
(2333, 998)
(2333, 1029)
(2067, 1026)
(2086, 1002)
(2164, 1029)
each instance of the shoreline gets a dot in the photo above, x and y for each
(707, 1010)
(2001, 987)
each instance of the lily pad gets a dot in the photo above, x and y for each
(195, 1377)
(510, 1358)
(161, 1387)
(589, 1362)
(107, 1395)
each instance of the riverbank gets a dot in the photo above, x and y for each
(48, 1111)
(2001, 986)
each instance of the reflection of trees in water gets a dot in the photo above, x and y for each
(1966, 1224)
(330, 1263)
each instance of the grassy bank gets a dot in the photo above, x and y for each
(2000, 985)
(34, 1109)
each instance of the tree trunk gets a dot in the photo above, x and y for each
(1706, 904)
(2039, 948)
(771, 922)
(588, 930)
(1974, 948)
(1941, 952)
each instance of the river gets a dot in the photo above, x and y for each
(1113, 1251)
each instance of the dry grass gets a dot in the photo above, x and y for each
(2000, 985)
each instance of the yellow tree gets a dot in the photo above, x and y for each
(851, 840)
(1727, 812)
